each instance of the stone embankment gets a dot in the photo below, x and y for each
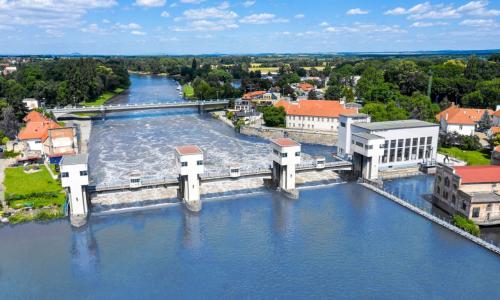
(302, 136)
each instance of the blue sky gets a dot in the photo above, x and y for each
(242, 26)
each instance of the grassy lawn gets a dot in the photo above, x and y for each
(471, 157)
(36, 189)
(188, 91)
(103, 98)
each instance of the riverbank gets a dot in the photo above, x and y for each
(105, 97)
(147, 73)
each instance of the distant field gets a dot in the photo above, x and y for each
(471, 157)
(264, 69)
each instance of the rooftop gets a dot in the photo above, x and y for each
(79, 159)
(487, 197)
(368, 136)
(252, 95)
(388, 125)
(316, 108)
(37, 126)
(463, 116)
(356, 116)
(188, 150)
(285, 142)
(478, 174)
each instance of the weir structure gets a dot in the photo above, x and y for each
(75, 179)
(281, 174)
(189, 161)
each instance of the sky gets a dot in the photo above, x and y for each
(149, 27)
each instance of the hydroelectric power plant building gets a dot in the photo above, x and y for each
(384, 145)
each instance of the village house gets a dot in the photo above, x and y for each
(463, 121)
(472, 191)
(496, 118)
(314, 114)
(44, 136)
(250, 101)
(31, 103)
(495, 156)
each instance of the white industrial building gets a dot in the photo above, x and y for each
(384, 145)
(75, 178)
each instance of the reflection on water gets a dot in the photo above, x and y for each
(84, 253)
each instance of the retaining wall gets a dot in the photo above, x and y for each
(308, 137)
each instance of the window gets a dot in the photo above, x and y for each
(359, 144)
(438, 190)
(400, 143)
(235, 170)
(464, 206)
(342, 124)
(184, 164)
(276, 152)
(475, 212)
(415, 142)
(453, 199)
(429, 140)
(135, 180)
(284, 154)
(439, 179)
(447, 182)
(199, 163)
(422, 140)
(352, 142)
(488, 207)
(400, 154)
(64, 174)
(368, 147)
(386, 144)
(393, 143)
(83, 173)
(393, 155)
(297, 153)
(407, 142)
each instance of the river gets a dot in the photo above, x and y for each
(341, 241)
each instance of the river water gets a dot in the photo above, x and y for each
(341, 241)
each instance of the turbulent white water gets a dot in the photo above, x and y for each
(145, 141)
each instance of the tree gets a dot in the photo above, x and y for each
(420, 107)
(369, 78)
(333, 92)
(9, 124)
(384, 112)
(312, 95)
(273, 116)
(406, 75)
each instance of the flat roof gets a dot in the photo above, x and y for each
(285, 142)
(368, 136)
(488, 197)
(188, 150)
(78, 159)
(400, 124)
(355, 116)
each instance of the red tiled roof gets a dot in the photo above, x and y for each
(497, 149)
(306, 86)
(464, 116)
(188, 150)
(37, 126)
(285, 142)
(316, 108)
(252, 95)
(478, 174)
(495, 129)
(497, 113)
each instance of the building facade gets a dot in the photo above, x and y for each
(463, 121)
(391, 144)
(321, 115)
(471, 191)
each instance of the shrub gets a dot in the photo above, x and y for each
(10, 154)
(466, 224)
(46, 215)
(5, 140)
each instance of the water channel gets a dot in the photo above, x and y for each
(341, 241)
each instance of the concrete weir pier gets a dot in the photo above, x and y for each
(190, 164)
(286, 156)
(75, 179)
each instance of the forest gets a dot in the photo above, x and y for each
(57, 82)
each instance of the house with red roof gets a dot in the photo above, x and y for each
(36, 130)
(496, 118)
(314, 114)
(44, 136)
(471, 191)
(495, 156)
(463, 121)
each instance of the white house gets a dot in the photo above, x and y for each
(315, 115)
(31, 103)
(74, 178)
(461, 120)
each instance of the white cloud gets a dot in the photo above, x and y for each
(428, 24)
(206, 25)
(192, 1)
(48, 14)
(363, 28)
(299, 16)
(264, 18)
(426, 10)
(248, 3)
(324, 24)
(150, 3)
(165, 14)
(479, 23)
(356, 11)
(137, 32)
(127, 26)
(209, 13)
(208, 19)
(54, 33)
(93, 28)
(106, 21)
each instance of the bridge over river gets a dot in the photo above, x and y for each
(103, 109)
